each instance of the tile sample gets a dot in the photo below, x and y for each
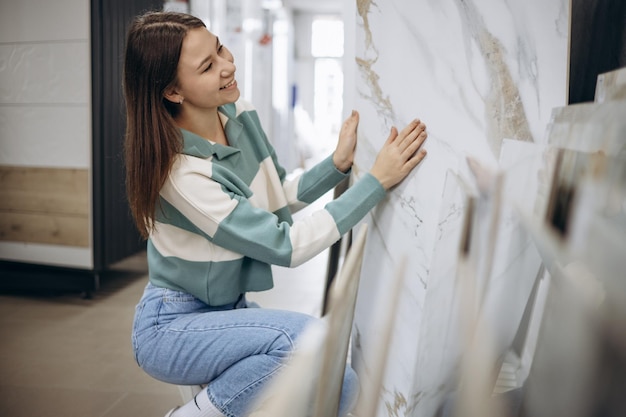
(440, 346)
(342, 300)
(589, 127)
(516, 262)
(611, 86)
(476, 73)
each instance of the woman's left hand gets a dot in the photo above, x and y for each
(344, 154)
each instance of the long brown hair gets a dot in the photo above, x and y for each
(153, 46)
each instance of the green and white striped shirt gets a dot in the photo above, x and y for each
(225, 213)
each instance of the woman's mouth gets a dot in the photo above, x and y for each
(230, 84)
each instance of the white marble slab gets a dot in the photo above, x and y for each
(516, 263)
(611, 86)
(476, 73)
(589, 127)
(581, 340)
(563, 377)
(440, 346)
(378, 351)
(341, 303)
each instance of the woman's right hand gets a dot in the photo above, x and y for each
(400, 154)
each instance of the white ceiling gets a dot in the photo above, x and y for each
(315, 6)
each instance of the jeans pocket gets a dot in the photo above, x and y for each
(175, 303)
(174, 296)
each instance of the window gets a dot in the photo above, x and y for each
(327, 52)
(327, 37)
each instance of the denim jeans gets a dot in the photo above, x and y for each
(233, 348)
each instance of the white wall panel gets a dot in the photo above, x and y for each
(36, 20)
(45, 84)
(56, 72)
(45, 101)
(45, 136)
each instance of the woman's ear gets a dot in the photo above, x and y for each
(173, 96)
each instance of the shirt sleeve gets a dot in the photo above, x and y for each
(229, 220)
(312, 184)
(303, 189)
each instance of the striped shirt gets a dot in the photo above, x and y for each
(225, 213)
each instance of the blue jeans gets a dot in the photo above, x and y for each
(233, 348)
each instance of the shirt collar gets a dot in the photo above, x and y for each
(198, 146)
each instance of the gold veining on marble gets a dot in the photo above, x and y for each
(505, 111)
(363, 8)
(365, 65)
(505, 114)
(378, 98)
(399, 404)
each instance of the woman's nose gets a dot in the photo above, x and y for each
(228, 69)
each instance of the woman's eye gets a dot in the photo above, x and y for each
(219, 50)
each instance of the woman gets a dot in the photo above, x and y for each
(206, 190)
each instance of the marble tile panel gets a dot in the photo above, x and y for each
(486, 286)
(514, 271)
(371, 379)
(497, 277)
(440, 346)
(475, 73)
(570, 168)
(321, 354)
(380, 265)
(565, 367)
(581, 339)
(598, 229)
(611, 86)
(341, 304)
(589, 127)
(515, 261)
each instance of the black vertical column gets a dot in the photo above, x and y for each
(114, 234)
(598, 44)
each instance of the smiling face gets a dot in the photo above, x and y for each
(206, 72)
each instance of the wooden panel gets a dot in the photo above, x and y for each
(44, 228)
(45, 205)
(44, 190)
